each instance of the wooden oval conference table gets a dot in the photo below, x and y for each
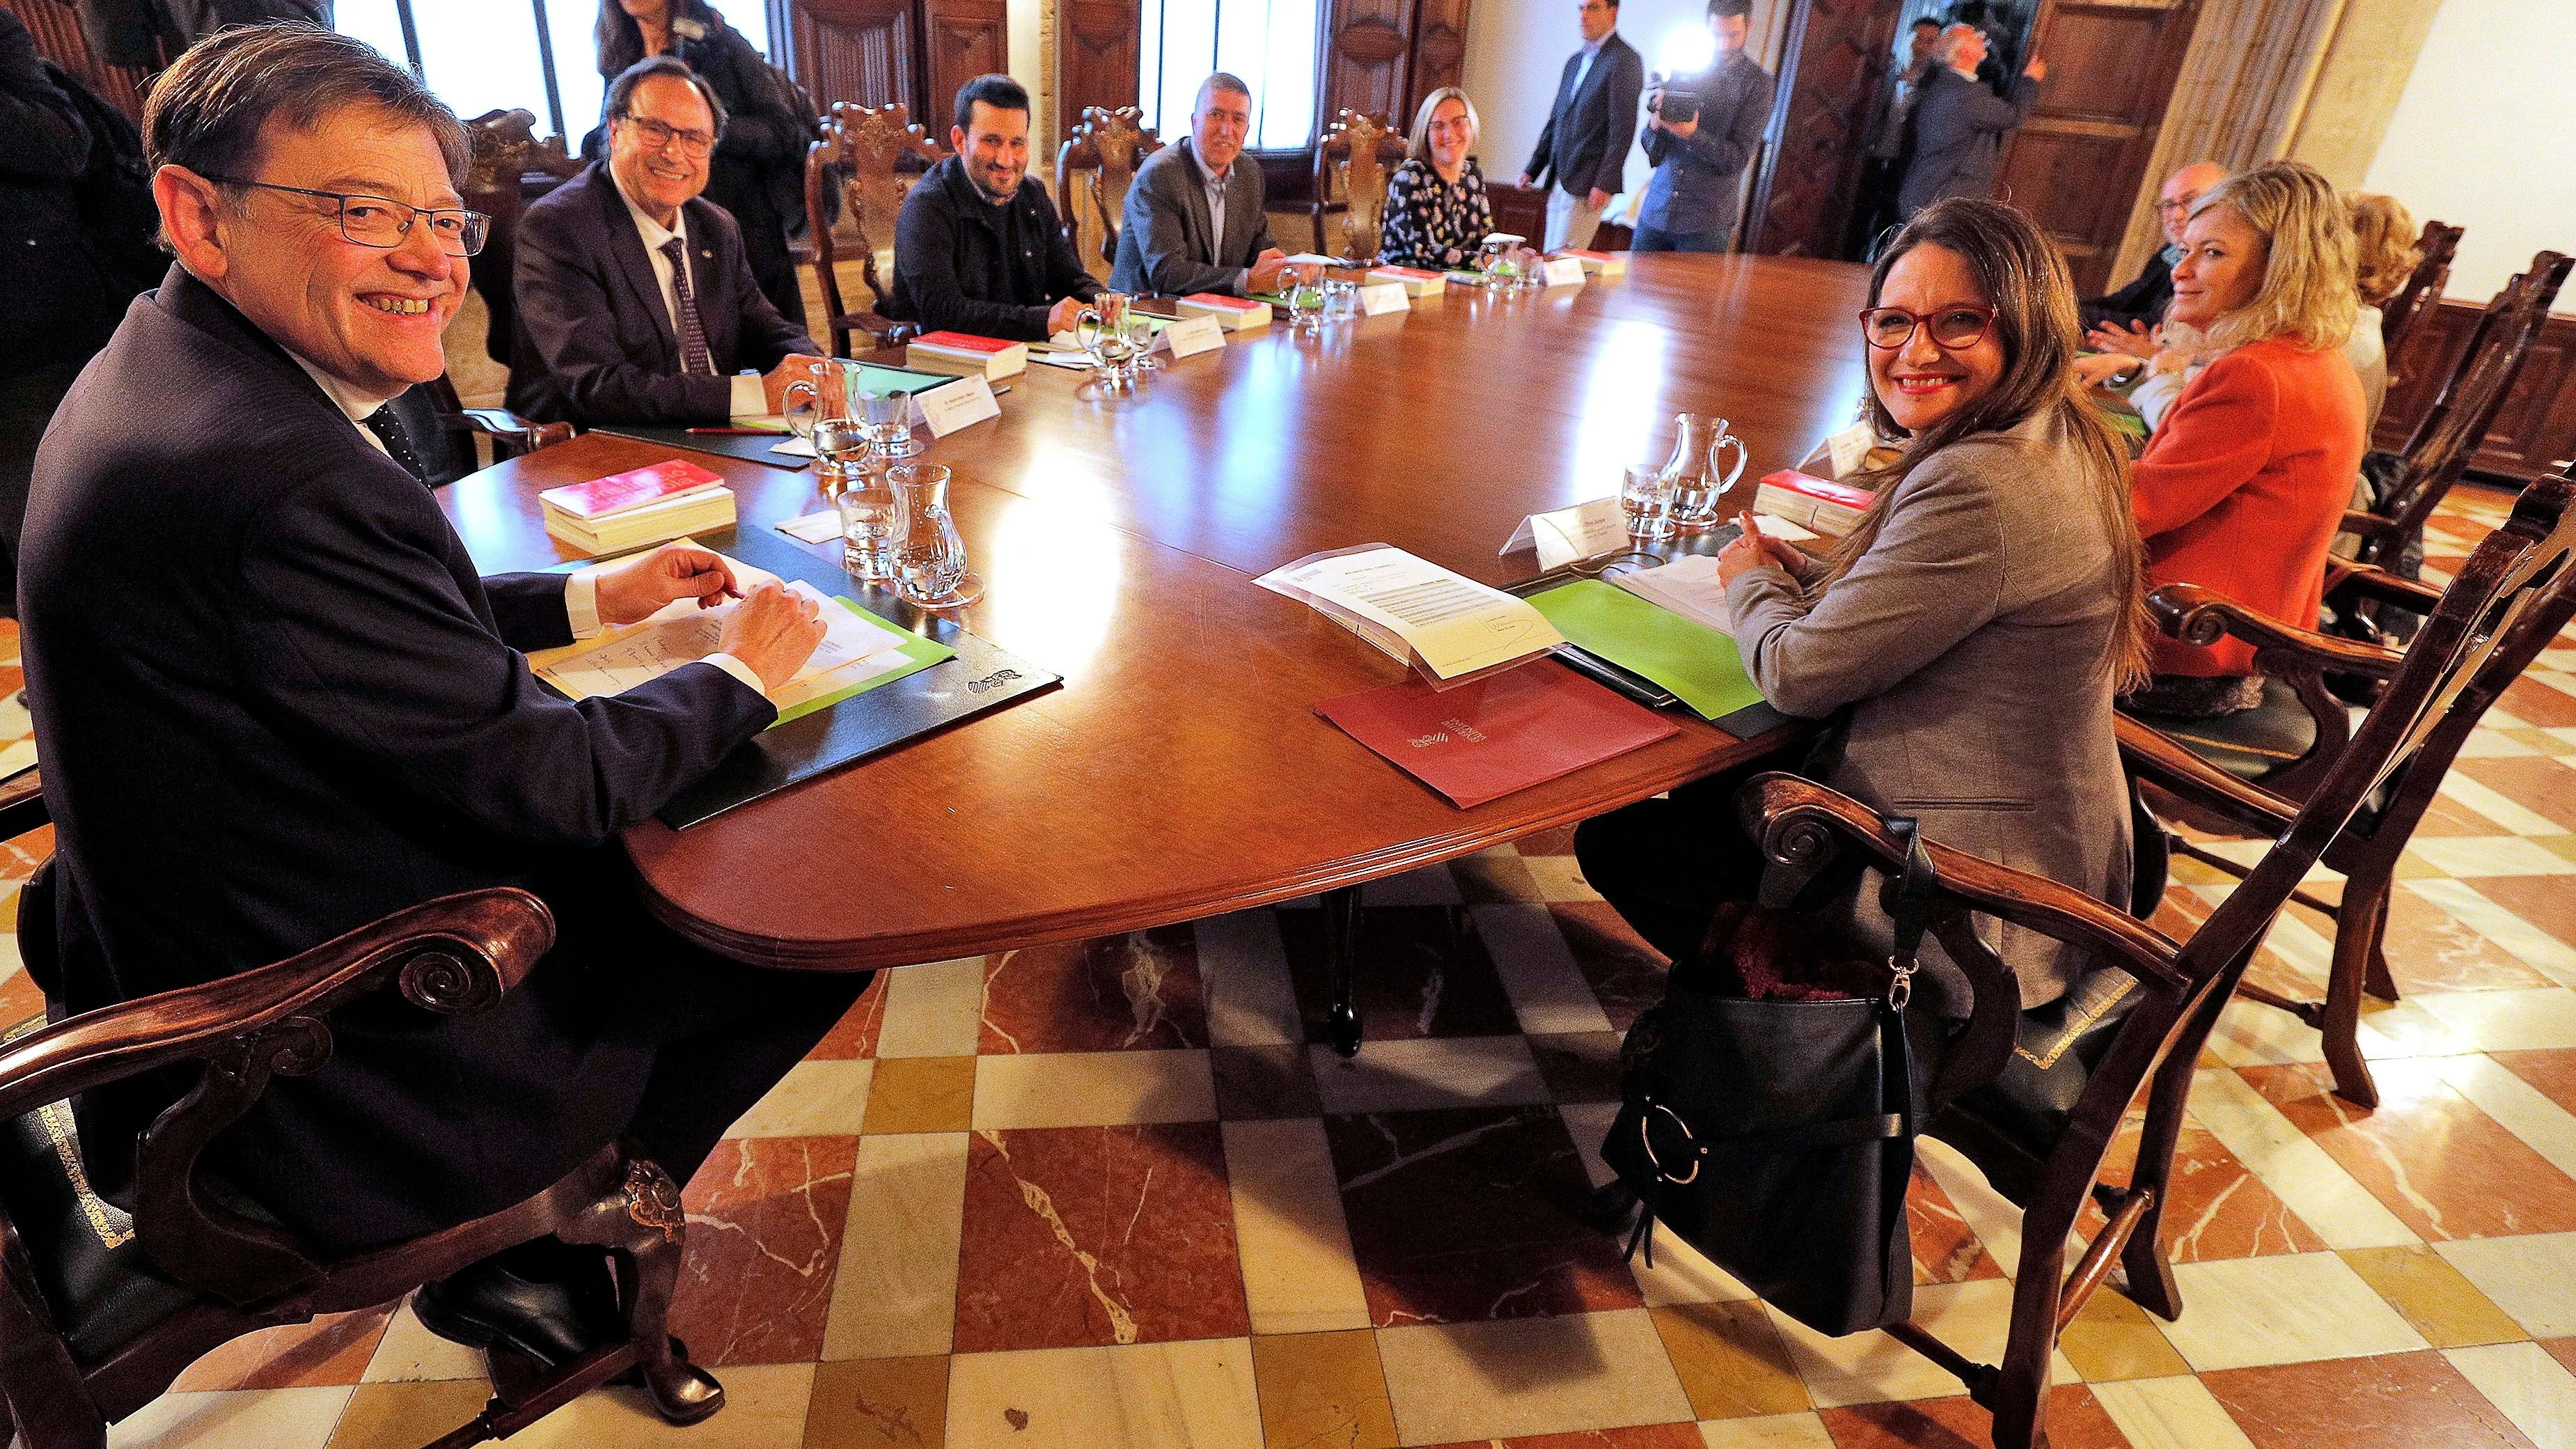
(1182, 771)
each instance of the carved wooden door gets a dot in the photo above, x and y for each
(1439, 52)
(1095, 56)
(2076, 166)
(1367, 59)
(863, 51)
(963, 39)
(1834, 72)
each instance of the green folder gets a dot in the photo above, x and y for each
(918, 652)
(1694, 661)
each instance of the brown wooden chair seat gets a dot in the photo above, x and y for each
(2509, 600)
(100, 1311)
(1093, 169)
(1351, 162)
(873, 154)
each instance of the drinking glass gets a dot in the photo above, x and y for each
(888, 421)
(1498, 258)
(929, 557)
(1341, 299)
(1646, 503)
(869, 511)
(1302, 288)
(1140, 336)
(824, 392)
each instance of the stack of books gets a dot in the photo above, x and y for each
(1417, 281)
(962, 355)
(1604, 265)
(631, 509)
(1830, 508)
(1234, 314)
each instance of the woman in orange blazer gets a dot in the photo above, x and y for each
(2241, 489)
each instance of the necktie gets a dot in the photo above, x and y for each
(389, 431)
(694, 356)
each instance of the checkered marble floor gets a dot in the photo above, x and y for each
(1109, 1194)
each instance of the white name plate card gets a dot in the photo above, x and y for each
(1564, 272)
(967, 401)
(1586, 530)
(1191, 336)
(1380, 297)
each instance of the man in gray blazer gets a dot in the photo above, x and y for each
(1195, 220)
(1585, 144)
(1960, 126)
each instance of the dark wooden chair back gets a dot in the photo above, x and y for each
(2401, 321)
(101, 1311)
(1093, 169)
(56, 26)
(856, 177)
(2461, 415)
(506, 156)
(443, 431)
(1351, 162)
(2507, 602)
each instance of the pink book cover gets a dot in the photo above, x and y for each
(1815, 487)
(1481, 741)
(964, 342)
(1232, 304)
(1419, 274)
(618, 492)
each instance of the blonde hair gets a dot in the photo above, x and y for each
(1418, 147)
(2024, 278)
(2385, 245)
(2307, 297)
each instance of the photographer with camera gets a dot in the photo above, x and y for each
(1701, 131)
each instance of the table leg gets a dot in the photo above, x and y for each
(1341, 952)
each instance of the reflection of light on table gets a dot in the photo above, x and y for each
(1054, 571)
(1622, 420)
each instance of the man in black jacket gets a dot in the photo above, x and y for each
(2126, 320)
(635, 299)
(977, 248)
(1590, 126)
(275, 702)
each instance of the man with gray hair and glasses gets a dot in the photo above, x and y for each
(276, 702)
(635, 300)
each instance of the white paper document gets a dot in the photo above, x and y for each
(1447, 624)
(1563, 535)
(1687, 586)
(856, 647)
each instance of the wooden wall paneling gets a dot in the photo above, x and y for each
(867, 52)
(1368, 53)
(2536, 428)
(1439, 53)
(1834, 70)
(962, 39)
(2077, 165)
(1095, 57)
(57, 31)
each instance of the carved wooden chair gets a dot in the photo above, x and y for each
(1351, 162)
(443, 431)
(2367, 852)
(2057, 1090)
(100, 1311)
(2400, 322)
(506, 154)
(1093, 170)
(881, 153)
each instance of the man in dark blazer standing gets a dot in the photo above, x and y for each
(275, 702)
(635, 300)
(1584, 147)
(1960, 126)
(1196, 220)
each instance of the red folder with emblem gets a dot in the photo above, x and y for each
(1481, 741)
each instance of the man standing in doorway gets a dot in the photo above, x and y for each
(1585, 146)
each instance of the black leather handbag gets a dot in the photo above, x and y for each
(1777, 1137)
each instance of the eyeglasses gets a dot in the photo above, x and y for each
(657, 134)
(2185, 204)
(382, 222)
(1891, 328)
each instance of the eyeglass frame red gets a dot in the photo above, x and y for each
(1917, 321)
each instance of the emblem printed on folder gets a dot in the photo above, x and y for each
(992, 681)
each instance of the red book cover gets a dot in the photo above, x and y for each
(1477, 742)
(1231, 304)
(1419, 274)
(618, 492)
(964, 342)
(1814, 487)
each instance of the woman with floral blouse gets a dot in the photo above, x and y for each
(1436, 213)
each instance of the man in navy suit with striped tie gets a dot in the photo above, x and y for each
(635, 301)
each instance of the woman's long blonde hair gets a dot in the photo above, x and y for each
(2025, 280)
(2307, 298)
(1418, 147)
(2384, 243)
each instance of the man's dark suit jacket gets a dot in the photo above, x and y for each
(1585, 143)
(2141, 301)
(593, 343)
(959, 267)
(1959, 132)
(1164, 241)
(275, 702)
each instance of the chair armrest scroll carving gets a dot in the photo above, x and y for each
(2352, 581)
(2196, 615)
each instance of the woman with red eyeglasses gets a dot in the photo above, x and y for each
(1970, 633)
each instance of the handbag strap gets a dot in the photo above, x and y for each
(1910, 907)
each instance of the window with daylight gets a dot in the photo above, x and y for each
(1272, 44)
(531, 55)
